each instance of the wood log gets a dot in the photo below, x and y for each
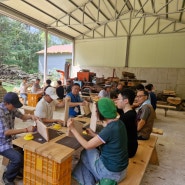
(128, 74)
(169, 92)
(174, 100)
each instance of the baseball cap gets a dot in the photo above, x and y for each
(51, 91)
(13, 99)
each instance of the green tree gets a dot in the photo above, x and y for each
(18, 44)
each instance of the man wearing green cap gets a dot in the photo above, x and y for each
(110, 161)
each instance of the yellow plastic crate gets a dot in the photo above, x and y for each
(39, 170)
(33, 99)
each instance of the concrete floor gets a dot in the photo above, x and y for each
(170, 149)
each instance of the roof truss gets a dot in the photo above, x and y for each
(84, 19)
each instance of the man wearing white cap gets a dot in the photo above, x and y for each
(45, 107)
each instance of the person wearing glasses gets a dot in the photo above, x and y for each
(128, 117)
(145, 115)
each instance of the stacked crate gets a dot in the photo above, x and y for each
(40, 170)
(33, 99)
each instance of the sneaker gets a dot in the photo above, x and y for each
(5, 180)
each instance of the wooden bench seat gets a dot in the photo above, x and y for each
(146, 154)
(28, 109)
(166, 107)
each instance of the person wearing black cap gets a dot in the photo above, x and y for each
(8, 112)
(110, 161)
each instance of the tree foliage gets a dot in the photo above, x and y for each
(19, 44)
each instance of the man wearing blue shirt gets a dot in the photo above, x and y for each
(76, 101)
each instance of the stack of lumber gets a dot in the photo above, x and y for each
(169, 92)
(128, 75)
(129, 79)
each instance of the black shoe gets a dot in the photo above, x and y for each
(5, 180)
(19, 175)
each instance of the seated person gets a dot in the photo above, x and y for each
(136, 104)
(60, 90)
(23, 90)
(75, 101)
(36, 87)
(145, 115)
(114, 93)
(45, 107)
(128, 117)
(152, 96)
(68, 86)
(8, 112)
(105, 92)
(48, 84)
(105, 155)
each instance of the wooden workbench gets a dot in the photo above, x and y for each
(46, 163)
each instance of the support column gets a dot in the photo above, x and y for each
(127, 51)
(45, 56)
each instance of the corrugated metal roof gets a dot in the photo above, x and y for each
(58, 49)
(84, 19)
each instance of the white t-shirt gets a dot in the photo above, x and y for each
(45, 109)
(104, 94)
(23, 87)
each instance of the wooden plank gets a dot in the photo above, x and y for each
(86, 109)
(55, 151)
(166, 107)
(42, 130)
(66, 110)
(94, 118)
(157, 131)
(137, 165)
(79, 127)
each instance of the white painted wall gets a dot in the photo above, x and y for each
(103, 52)
(159, 59)
(158, 51)
(145, 51)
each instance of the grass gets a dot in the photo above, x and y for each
(9, 87)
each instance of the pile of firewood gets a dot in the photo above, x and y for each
(11, 73)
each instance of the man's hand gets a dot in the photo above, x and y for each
(70, 123)
(84, 103)
(90, 132)
(30, 129)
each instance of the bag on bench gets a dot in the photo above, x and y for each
(107, 182)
